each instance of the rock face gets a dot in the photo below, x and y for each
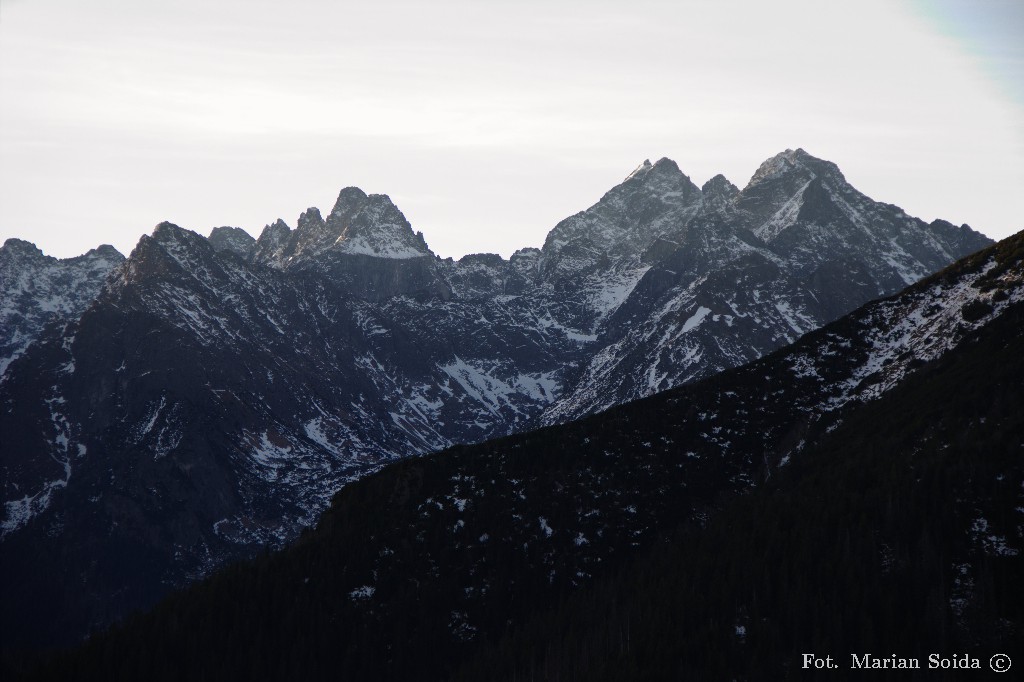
(365, 245)
(216, 392)
(730, 276)
(232, 239)
(37, 290)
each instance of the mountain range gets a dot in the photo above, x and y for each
(856, 491)
(205, 398)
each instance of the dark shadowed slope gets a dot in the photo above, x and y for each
(880, 452)
(899, 534)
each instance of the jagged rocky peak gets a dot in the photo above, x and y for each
(949, 228)
(279, 245)
(662, 178)
(654, 200)
(774, 195)
(478, 275)
(178, 241)
(359, 224)
(95, 264)
(21, 251)
(20, 248)
(795, 162)
(271, 242)
(719, 186)
(718, 193)
(232, 239)
(964, 239)
(350, 200)
(310, 220)
(276, 233)
(37, 290)
(310, 236)
(167, 232)
(170, 249)
(371, 224)
(105, 251)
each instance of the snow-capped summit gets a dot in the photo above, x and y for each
(795, 161)
(365, 245)
(372, 225)
(358, 225)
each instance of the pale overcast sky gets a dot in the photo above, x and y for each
(488, 122)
